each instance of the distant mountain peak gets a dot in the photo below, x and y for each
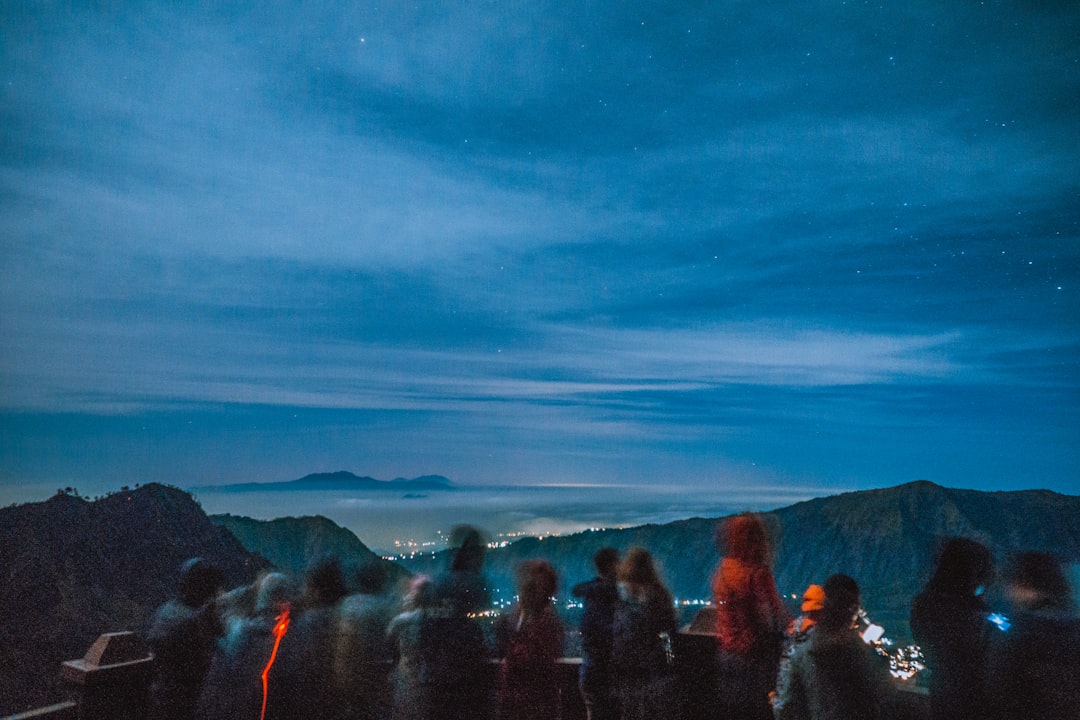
(339, 475)
(339, 480)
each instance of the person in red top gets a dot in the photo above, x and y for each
(530, 640)
(750, 620)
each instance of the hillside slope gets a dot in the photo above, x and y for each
(74, 569)
(292, 543)
(885, 539)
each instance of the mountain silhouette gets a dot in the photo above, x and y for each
(340, 480)
(291, 544)
(75, 568)
(886, 539)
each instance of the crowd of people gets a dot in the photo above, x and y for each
(338, 648)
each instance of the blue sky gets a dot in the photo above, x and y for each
(810, 246)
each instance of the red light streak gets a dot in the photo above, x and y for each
(281, 625)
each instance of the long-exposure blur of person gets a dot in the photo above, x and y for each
(306, 659)
(530, 640)
(363, 652)
(414, 657)
(643, 625)
(798, 631)
(1035, 662)
(183, 636)
(750, 620)
(458, 687)
(463, 586)
(834, 675)
(949, 622)
(233, 687)
(599, 596)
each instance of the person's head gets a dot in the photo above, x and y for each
(324, 583)
(841, 602)
(813, 602)
(536, 584)
(964, 567)
(744, 537)
(638, 568)
(1036, 581)
(469, 549)
(421, 593)
(274, 593)
(370, 577)
(200, 582)
(606, 561)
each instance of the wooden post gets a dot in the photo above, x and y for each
(112, 681)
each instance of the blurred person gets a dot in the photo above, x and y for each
(362, 654)
(413, 662)
(457, 683)
(599, 596)
(463, 586)
(306, 659)
(233, 687)
(798, 631)
(1035, 662)
(183, 635)
(813, 605)
(834, 675)
(949, 622)
(750, 620)
(643, 624)
(530, 639)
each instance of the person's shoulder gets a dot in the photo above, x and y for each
(587, 588)
(800, 655)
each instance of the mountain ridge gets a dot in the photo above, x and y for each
(338, 480)
(76, 568)
(292, 543)
(885, 538)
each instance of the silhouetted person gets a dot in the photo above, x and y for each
(458, 687)
(363, 653)
(599, 596)
(306, 658)
(949, 622)
(1036, 661)
(530, 640)
(643, 625)
(834, 675)
(233, 687)
(750, 620)
(183, 635)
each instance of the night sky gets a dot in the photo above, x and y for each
(808, 246)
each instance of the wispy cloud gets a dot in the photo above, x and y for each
(542, 244)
